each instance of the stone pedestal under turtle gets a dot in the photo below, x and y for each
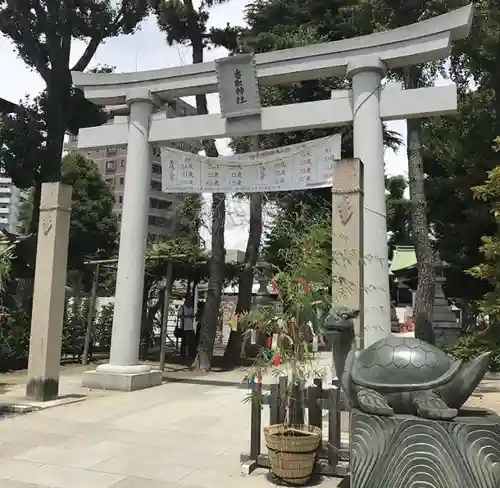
(404, 375)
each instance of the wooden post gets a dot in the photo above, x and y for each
(333, 425)
(164, 317)
(256, 422)
(283, 381)
(347, 239)
(297, 405)
(274, 401)
(90, 316)
(315, 412)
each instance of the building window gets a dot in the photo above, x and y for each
(156, 169)
(122, 163)
(183, 111)
(158, 221)
(122, 181)
(111, 151)
(158, 204)
(156, 185)
(110, 166)
(110, 182)
(120, 199)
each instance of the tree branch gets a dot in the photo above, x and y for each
(88, 54)
(95, 41)
(36, 54)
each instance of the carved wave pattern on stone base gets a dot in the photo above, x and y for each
(409, 452)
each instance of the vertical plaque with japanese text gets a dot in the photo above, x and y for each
(238, 86)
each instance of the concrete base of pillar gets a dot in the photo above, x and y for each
(121, 381)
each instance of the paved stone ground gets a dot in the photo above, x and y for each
(182, 434)
(187, 433)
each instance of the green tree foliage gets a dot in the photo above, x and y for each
(459, 220)
(94, 229)
(475, 59)
(42, 33)
(490, 269)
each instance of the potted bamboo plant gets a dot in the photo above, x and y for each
(290, 346)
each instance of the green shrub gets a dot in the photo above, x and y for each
(74, 326)
(15, 328)
(470, 346)
(101, 339)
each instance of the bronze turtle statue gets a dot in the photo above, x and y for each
(404, 375)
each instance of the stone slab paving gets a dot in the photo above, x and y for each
(178, 435)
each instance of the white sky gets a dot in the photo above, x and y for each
(145, 50)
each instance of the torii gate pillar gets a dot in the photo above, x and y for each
(366, 74)
(123, 373)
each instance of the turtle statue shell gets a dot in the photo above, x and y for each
(402, 364)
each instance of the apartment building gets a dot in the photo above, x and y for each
(11, 199)
(164, 209)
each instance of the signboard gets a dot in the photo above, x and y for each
(295, 167)
(238, 86)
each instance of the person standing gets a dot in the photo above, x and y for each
(186, 320)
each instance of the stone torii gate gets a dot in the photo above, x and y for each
(364, 60)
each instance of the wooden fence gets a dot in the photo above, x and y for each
(333, 457)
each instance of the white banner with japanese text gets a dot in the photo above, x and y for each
(287, 168)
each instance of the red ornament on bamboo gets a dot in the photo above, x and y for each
(276, 360)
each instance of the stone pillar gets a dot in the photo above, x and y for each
(366, 74)
(49, 292)
(123, 371)
(347, 239)
(447, 328)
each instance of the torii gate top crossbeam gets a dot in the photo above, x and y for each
(425, 41)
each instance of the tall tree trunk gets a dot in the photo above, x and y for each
(210, 317)
(420, 227)
(234, 346)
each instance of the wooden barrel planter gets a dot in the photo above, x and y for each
(292, 451)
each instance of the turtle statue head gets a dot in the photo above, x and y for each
(339, 330)
(340, 320)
